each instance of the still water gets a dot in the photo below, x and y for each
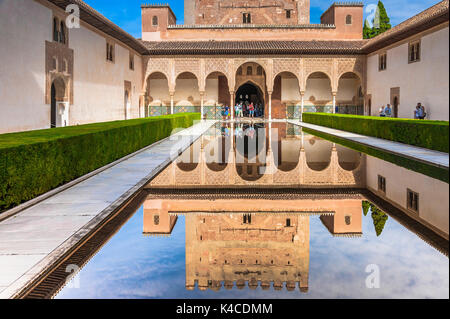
(199, 234)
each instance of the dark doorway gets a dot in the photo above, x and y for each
(53, 107)
(250, 93)
(396, 107)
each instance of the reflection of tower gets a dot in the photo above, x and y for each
(157, 222)
(346, 221)
(253, 249)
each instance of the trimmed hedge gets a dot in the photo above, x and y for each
(419, 167)
(427, 134)
(35, 162)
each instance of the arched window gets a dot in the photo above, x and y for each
(348, 19)
(55, 30)
(156, 220)
(260, 70)
(249, 70)
(155, 21)
(247, 18)
(62, 34)
(239, 71)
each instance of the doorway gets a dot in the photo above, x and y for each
(395, 101)
(250, 93)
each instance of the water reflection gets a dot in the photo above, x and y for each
(263, 154)
(234, 243)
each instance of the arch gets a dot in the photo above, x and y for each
(288, 72)
(348, 159)
(187, 89)
(156, 93)
(189, 160)
(318, 92)
(318, 153)
(155, 21)
(349, 97)
(297, 97)
(251, 92)
(57, 94)
(216, 94)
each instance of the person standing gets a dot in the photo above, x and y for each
(251, 109)
(423, 113)
(388, 111)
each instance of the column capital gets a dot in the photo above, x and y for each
(334, 93)
(302, 93)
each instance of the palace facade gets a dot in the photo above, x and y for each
(54, 74)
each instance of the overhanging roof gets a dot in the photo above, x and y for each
(423, 21)
(253, 47)
(95, 19)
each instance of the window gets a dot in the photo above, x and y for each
(412, 201)
(66, 66)
(249, 70)
(247, 18)
(288, 222)
(288, 14)
(156, 220)
(109, 52)
(382, 63)
(348, 19)
(62, 35)
(260, 70)
(155, 21)
(131, 61)
(55, 30)
(414, 52)
(239, 71)
(247, 219)
(382, 184)
(348, 220)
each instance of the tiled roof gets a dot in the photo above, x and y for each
(252, 26)
(97, 20)
(254, 47)
(427, 19)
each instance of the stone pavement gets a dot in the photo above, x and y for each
(34, 238)
(435, 158)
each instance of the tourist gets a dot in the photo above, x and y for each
(381, 111)
(240, 113)
(251, 110)
(423, 113)
(388, 111)
(236, 110)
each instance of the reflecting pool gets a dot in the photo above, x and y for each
(259, 211)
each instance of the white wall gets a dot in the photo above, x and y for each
(426, 81)
(99, 84)
(319, 88)
(433, 194)
(24, 27)
(98, 87)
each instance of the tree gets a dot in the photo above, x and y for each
(379, 220)
(380, 24)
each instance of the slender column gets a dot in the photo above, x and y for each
(270, 106)
(302, 94)
(334, 102)
(202, 102)
(232, 104)
(171, 102)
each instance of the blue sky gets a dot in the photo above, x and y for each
(127, 13)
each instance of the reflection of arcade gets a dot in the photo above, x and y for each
(231, 242)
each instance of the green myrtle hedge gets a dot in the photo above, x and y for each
(419, 167)
(427, 134)
(35, 162)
